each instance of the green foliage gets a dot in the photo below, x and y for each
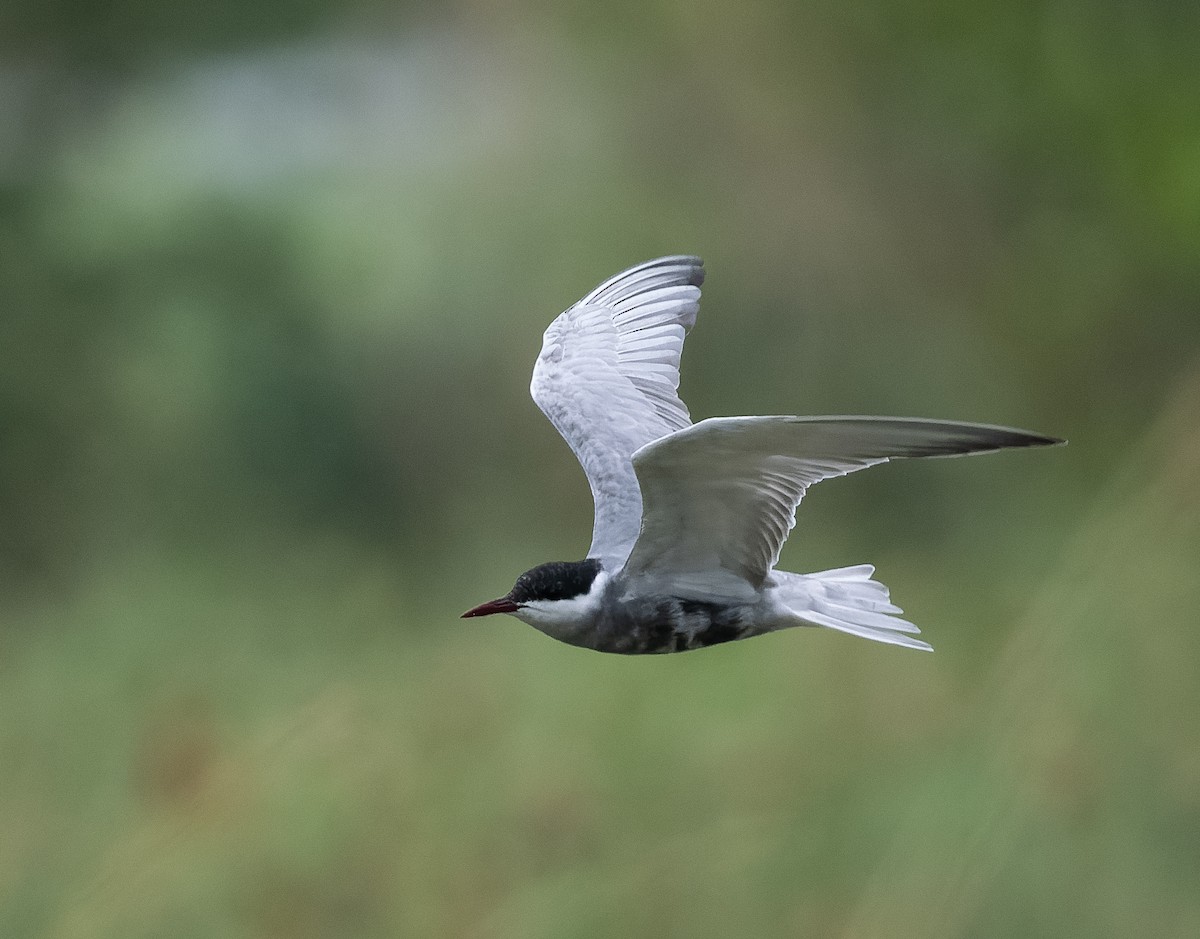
(272, 278)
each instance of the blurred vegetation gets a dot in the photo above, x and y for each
(272, 278)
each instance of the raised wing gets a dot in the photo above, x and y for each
(607, 377)
(721, 496)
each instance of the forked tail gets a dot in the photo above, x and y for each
(848, 600)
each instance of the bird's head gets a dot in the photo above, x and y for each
(557, 597)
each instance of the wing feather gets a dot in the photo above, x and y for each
(608, 378)
(721, 496)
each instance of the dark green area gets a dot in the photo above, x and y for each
(272, 280)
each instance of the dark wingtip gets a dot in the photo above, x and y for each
(1008, 438)
(999, 437)
(1039, 440)
(694, 263)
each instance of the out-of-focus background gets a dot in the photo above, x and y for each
(273, 275)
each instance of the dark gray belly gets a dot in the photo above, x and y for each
(672, 624)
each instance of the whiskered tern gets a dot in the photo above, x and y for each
(690, 518)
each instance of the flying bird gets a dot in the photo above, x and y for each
(690, 518)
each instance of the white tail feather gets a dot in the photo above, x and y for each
(848, 600)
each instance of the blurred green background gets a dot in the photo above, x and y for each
(273, 275)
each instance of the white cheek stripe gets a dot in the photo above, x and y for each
(562, 617)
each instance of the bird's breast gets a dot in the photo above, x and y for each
(648, 626)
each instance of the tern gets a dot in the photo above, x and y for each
(690, 518)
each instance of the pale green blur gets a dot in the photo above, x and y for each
(272, 279)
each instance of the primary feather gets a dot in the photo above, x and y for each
(607, 378)
(720, 497)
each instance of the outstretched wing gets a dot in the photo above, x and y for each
(607, 377)
(721, 496)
